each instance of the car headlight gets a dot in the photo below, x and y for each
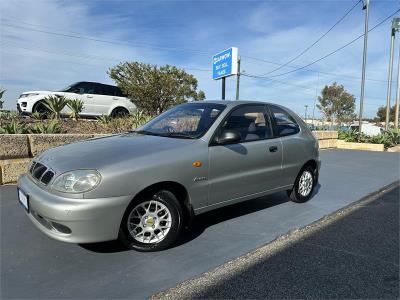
(28, 95)
(78, 181)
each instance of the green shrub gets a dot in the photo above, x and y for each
(104, 119)
(76, 106)
(46, 128)
(139, 118)
(55, 104)
(36, 115)
(389, 138)
(9, 115)
(14, 127)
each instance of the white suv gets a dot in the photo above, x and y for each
(99, 99)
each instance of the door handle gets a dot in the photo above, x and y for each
(89, 96)
(273, 149)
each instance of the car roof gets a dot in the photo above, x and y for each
(92, 82)
(236, 102)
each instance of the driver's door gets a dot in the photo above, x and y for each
(250, 166)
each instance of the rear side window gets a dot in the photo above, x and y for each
(118, 92)
(285, 124)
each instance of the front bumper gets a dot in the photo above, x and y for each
(81, 220)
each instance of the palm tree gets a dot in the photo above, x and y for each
(55, 104)
(76, 106)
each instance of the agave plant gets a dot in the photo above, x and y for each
(76, 106)
(9, 115)
(55, 104)
(46, 128)
(139, 118)
(104, 119)
(14, 127)
(36, 115)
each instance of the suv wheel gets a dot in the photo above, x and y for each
(119, 112)
(304, 185)
(40, 108)
(152, 223)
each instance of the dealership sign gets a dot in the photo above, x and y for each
(225, 63)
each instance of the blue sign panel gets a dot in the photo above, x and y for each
(225, 63)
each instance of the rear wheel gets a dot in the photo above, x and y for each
(119, 112)
(304, 185)
(152, 223)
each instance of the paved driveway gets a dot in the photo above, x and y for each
(35, 266)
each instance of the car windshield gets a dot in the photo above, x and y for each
(190, 120)
(69, 88)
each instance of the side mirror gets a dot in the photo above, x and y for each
(229, 136)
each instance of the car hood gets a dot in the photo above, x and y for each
(101, 153)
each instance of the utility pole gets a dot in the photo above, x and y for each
(315, 100)
(395, 27)
(305, 114)
(396, 107)
(366, 8)
(389, 88)
(223, 88)
(238, 80)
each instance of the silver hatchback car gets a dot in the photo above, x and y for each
(143, 186)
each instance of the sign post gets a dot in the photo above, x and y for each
(225, 64)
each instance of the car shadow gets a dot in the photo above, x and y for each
(202, 222)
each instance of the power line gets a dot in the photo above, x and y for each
(90, 57)
(320, 38)
(338, 49)
(294, 85)
(135, 45)
(316, 71)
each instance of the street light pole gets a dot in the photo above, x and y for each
(366, 8)
(223, 88)
(389, 88)
(396, 107)
(238, 80)
(305, 114)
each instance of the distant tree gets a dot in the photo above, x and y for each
(381, 113)
(336, 103)
(154, 89)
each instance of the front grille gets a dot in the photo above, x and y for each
(41, 172)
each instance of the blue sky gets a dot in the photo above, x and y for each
(187, 34)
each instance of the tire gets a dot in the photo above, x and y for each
(41, 109)
(151, 227)
(304, 185)
(119, 112)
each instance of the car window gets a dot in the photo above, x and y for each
(85, 88)
(285, 124)
(250, 122)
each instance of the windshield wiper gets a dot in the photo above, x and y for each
(179, 135)
(145, 132)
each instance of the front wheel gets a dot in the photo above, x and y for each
(152, 223)
(304, 185)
